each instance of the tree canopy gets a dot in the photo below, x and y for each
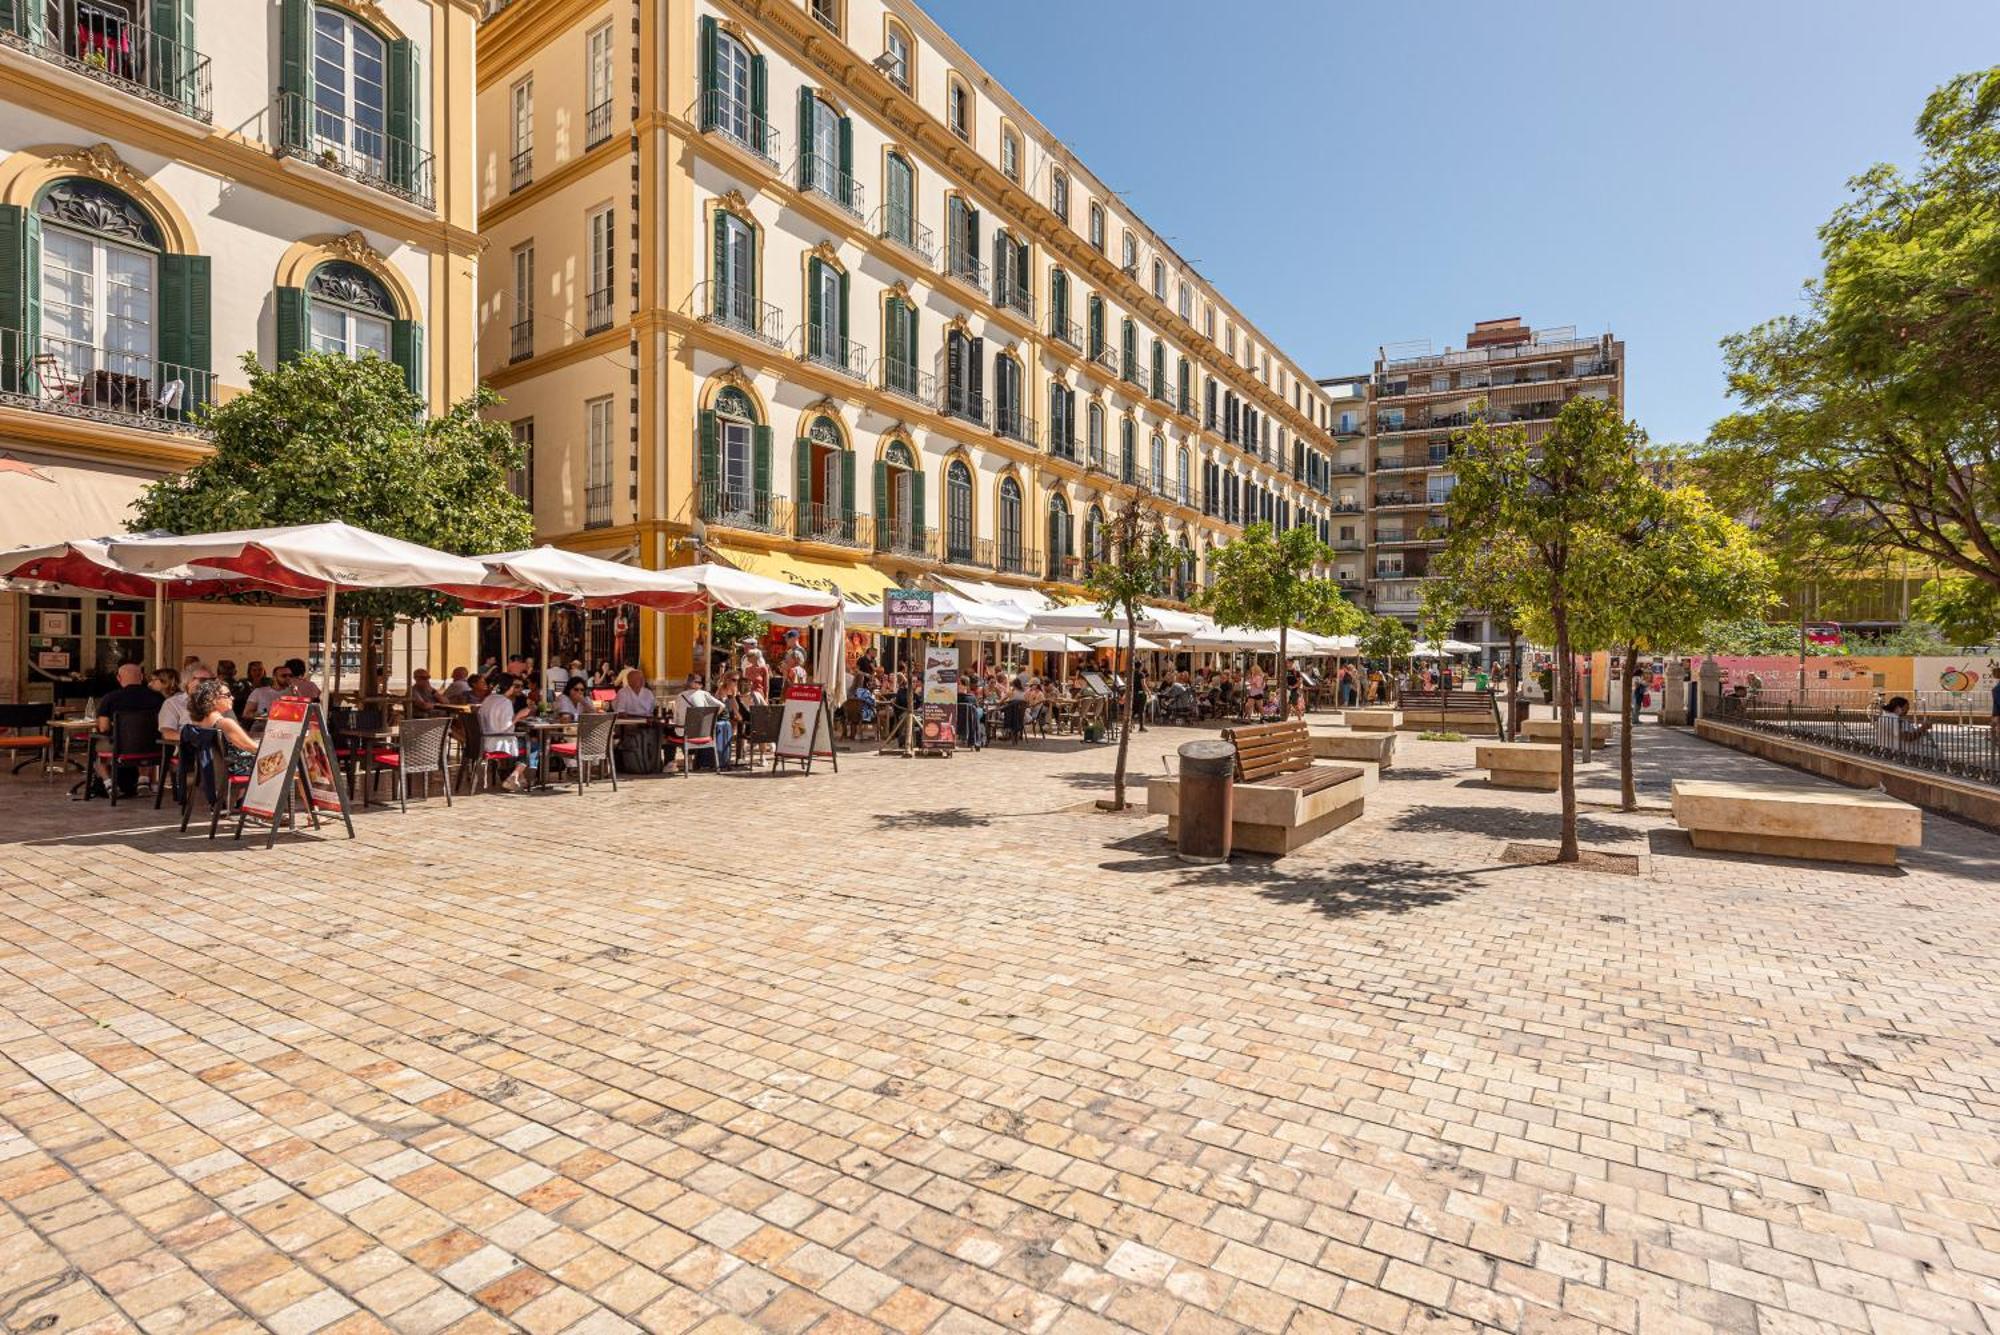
(1264, 581)
(1138, 560)
(324, 438)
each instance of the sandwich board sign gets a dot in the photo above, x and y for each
(295, 763)
(805, 728)
(908, 609)
(939, 714)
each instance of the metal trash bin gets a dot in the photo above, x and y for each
(1521, 710)
(1207, 801)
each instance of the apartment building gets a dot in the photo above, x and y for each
(182, 182)
(799, 286)
(1506, 373)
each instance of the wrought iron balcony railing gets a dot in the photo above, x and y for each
(966, 267)
(899, 227)
(821, 522)
(720, 304)
(1105, 358)
(597, 124)
(906, 540)
(730, 117)
(521, 340)
(735, 507)
(960, 402)
(102, 42)
(825, 347)
(820, 175)
(906, 381)
(1066, 332)
(521, 169)
(364, 153)
(1016, 299)
(597, 311)
(124, 388)
(1129, 369)
(597, 505)
(1011, 560)
(1014, 424)
(960, 550)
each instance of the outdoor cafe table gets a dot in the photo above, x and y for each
(541, 732)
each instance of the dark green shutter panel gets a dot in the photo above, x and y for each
(1001, 283)
(841, 351)
(406, 349)
(759, 117)
(760, 462)
(719, 296)
(846, 161)
(815, 317)
(290, 306)
(708, 89)
(975, 378)
(1058, 299)
(972, 232)
(1021, 274)
(802, 475)
(917, 505)
(170, 49)
(910, 332)
(711, 461)
(805, 137)
(185, 350)
(295, 81)
(20, 294)
(25, 19)
(403, 114)
(847, 493)
(881, 502)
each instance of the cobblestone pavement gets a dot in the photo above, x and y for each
(930, 1045)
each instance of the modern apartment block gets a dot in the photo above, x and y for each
(798, 285)
(182, 182)
(1506, 372)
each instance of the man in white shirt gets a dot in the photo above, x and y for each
(635, 698)
(275, 687)
(174, 713)
(497, 713)
(693, 696)
(458, 690)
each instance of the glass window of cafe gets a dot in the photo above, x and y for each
(74, 644)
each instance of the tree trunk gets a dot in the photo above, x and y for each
(1513, 681)
(1567, 850)
(1628, 795)
(1125, 725)
(1284, 684)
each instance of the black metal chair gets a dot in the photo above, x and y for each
(594, 733)
(1014, 720)
(25, 728)
(204, 763)
(420, 750)
(762, 729)
(132, 743)
(698, 734)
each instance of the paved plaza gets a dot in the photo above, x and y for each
(934, 1046)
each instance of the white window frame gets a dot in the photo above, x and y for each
(124, 361)
(897, 47)
(598, 413)
(344, 130)
(601, 249)
(598, 67)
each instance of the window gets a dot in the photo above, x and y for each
(1128, 251)
(349, 312)
(1059, 194)
(735, 294)
(901, 497)
(958, 108)
(820, 163)
(521, 134)
(1059, 536)
(1187, 302)
(1093, 537)
(1010, 154)
(965, 392)
(896, 48)
(958, 511)
(1007, 418)
(1128, 449)
(899, 339)
(1181, 475)
(1096, 437)
(826, 314)
(1158, 461)
(597, 85)
(603, 252)
(1010, 525)
(899, 182)
(1208, 322)
(597, 465)
(524, 303)
(350, 90)
(827, 12)
(97, 292)
(732, 110)
(521, 477)
(734, 471)
(1097, 227)
(1159, 280)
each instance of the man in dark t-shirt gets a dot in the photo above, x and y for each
(131, 694)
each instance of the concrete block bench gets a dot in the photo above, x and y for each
(1536, 766)
(1370, 720)
(1551, 730)
(1280, 799)
(1378, 748)
(1794, 821)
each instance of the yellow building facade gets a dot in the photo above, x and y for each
(182, 182)
(799, 286)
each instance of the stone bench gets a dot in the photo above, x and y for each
(1536, 766)
(1267, 818)
(1370, 720)
(1377, 748)
(1551, 730)
(1795, 821)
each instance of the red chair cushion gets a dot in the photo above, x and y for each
(239, 778)
(147, 757)
(697, 741)
(387, 757)
(501, 755)
(562, 748)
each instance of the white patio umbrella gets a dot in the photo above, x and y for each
(953, 614)
(700, 587)
(1163, 621)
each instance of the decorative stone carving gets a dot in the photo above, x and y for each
(100, 161)
(354, 248)
(351, 285)
(825, 251)
(734, 202)
(96, 207)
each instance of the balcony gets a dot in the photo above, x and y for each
(1016, 425)
(1347, 468)
(1065, 332)
(1129, 369)
(729, 117)
(597, 124)
(103, 43)
(1347, 426)
(521, 340)
(735, 507)
(69, 379)
(1105, 359)
(821, 176)
(960, 263)
(960, 402)
(899, 227)
(597, 505)
(1345, 544)
(1011, 560)
(1064, 569)
(816, 521)
(1062, 447)
(362, 153)
(712, 303)
(906, 381)
(1095, 462)
(1018, 300)
(1161, 393)
(1601, 366)
(825, 347)
(961, 550)
(1390, 500)
(1396, 463)
(521, 169)
(1347, 507)
(917, 544)
(597, 311)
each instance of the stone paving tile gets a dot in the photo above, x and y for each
(931, 1046)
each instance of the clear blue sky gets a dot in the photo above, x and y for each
(1356, 174)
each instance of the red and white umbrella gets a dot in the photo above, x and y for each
(309, 559)
(85, 563)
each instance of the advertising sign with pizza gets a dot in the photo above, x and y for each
(805, 728)
(295, 763)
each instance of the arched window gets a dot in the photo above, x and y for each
(1096, 434)
(824, 482)
(1128, 347)
(99, 285)
(896, 45)
(899, 501)
(1158, 461)
(348, 311)
(1181, 475)
(1097, 227)
(1060, 545)
(958, 107)
(735, 461)
(733, 299)
(1093, 537)
(1010, 153)
(1159, 280)
(1010, 525)
(899, 187)
(958, 512)
(1059, 194)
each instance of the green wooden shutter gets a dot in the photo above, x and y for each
(24, 19)
(708, 90)
(406, 349)
(910, 334)
(1021, 273)
(814, 315)
(403, 151)
(881, 502)
(805, 137)
(972, 232)
(1001, 252)
(802, 481)
(290, 307)
(185, 346)
(760, 135)
(841, 352)
(917, 505)
(847, 161)
(295, 81)
(847, 493)
(170, 48)
(710, 433)
(20, 295)
(760, 467)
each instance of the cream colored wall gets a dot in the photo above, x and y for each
(560, 79)
(555, 223)
(557, 400)
(242, 633)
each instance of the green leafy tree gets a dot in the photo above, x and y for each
(1437, 614)
(1572, 489)
(1489, 574)
(1966, 611)
(1753, 637)
(326, 438)
(1387, 639)
(1136, 564)
(1869, 418)
(1264, 581)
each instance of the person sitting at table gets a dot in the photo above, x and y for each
(795, 667)
(635, 698)
(864, 695)
(422, 693)
(574, 702)
(458, 690)
(498, 713)
(174, 706)
(274, 688)
(208, 704)
(694, 696)
(132, 694)
(756, 674)
(302, 686)
(735, 712)
(253, 677)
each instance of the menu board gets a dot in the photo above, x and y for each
(805, 728)
(295, 758)
(908, 609)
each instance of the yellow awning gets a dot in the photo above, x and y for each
(857, 582)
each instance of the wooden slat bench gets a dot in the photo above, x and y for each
(1473, 712)
(1282, 800)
